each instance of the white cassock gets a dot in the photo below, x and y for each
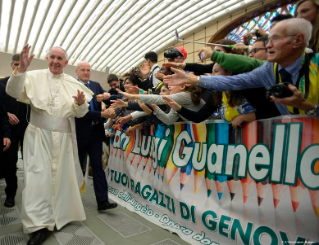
(52, 173)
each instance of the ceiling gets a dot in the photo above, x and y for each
(108, 34)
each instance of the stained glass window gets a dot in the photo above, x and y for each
(262, 21)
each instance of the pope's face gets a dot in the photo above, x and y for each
(56, 61)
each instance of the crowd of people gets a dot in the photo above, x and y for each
(58, 120)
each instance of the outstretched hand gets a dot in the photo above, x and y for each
(174, 65)
(79, 98)
(25, 59)
(172, 103)
(134, 89)
(126, 95)
(239, 48)
(104, 96)
(179, 78)
(108, 113)
(123, 120)
(206, 53)
(154, 107)
(118, 104)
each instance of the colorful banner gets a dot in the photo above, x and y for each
(212, 184)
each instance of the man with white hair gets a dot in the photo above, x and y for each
(52, 173)
(287, 62)
(90, 134)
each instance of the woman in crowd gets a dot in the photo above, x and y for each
(309, 10)
(130, 84)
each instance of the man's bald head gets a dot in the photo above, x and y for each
(83, 71)
(287, 41)
(82, 63)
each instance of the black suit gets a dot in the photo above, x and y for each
(10, 157)
(90, 134)
(4, 126)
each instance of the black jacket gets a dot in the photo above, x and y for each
(5, 131)
(19, 109)
(84, 124)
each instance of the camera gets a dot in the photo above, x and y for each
(280, 90)
(172, 53)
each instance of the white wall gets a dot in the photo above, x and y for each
(5, 69)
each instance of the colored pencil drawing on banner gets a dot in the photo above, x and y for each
(270, 168)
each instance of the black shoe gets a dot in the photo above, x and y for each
(106, 205)
(9, 202)
(38, 237)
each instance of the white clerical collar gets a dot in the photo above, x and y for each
(51, 75)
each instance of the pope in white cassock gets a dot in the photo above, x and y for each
(52, 173)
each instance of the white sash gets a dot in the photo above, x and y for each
(62, 125)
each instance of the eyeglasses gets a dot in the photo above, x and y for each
(113, 85)
(275, 39)
(255, 50)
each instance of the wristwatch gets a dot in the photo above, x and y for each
(314, 111)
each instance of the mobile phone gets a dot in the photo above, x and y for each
(201, 57)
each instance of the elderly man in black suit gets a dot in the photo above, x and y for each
(19, 115)
(90, 134)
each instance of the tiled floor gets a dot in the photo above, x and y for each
(118, 226)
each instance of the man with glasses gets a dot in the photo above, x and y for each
(114, 83)
(287, 62)
(259, 50)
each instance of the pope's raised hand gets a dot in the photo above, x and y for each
(79, 98)
(25, 59)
